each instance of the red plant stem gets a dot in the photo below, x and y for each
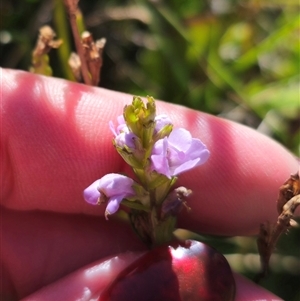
(72, 8)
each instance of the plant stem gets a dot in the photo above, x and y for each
(71, 6)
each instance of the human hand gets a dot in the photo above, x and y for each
(55, 141)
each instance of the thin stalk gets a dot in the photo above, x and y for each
(71, 6)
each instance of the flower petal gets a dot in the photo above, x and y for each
(159, 158)
(91, 194)
(180, 139)
(161, 121)
(120, 128)
(198, 150)
(114, 204)
(186, 166)
(116, 184)
(125, 139)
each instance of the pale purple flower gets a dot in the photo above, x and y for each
(123, 137)
(161, 121)
(178, 153)
(121, 127)
(111, 188)
(126, 139)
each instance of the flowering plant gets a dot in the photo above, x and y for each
(157, 154)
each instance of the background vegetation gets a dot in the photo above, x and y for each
(237, 59)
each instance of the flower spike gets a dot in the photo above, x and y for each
(157, 153)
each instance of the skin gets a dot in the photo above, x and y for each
(55, 141)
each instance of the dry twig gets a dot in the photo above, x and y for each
(287, 203)
(45, 42)
(72, 7)
(93, 55)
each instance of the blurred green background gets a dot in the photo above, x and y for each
(235, 59)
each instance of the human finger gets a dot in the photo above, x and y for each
(56, 141)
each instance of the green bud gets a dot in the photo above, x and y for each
(140, 119)
(164, 132)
